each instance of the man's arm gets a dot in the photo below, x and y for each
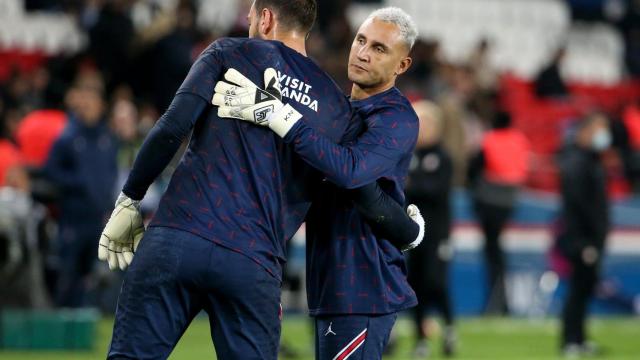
(391, 134)
(387, 219)
(389, 137)
(357, 165)
(385, 142)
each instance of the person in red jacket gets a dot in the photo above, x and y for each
(496, 174)
(629, 143)
(36, 134)
(9, 159)
(12, 173)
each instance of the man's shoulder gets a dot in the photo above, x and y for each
(394, 104)
(225, 44)
(401, 103)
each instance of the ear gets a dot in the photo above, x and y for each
(404, 65)
(267, 21)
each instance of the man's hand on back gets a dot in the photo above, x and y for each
(239, 98)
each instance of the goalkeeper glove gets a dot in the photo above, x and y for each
(414, 214)
(121, 235)
(240, 98)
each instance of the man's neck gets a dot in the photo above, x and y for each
(294, 40)
(360, 93)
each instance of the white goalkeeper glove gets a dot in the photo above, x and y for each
(414, 214)
(121, 235)
(240, 98)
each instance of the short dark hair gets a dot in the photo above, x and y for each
(293, 14)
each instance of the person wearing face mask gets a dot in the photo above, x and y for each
(585, 223)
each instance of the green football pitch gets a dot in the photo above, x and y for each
(479, 338)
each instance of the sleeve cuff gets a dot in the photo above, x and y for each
(282, 121)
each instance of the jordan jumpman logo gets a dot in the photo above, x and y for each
(329, 331)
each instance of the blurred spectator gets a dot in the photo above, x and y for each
(451, 87)
(26, 92)
(549, 82)
(110, 41)
(82, 163)
(486, 76)
(485, 82)
(429, 187)
(337, 37)
(328, 10)
(17, 177)
(37, 92)
(585, 223)
(628, 139)
(38, 5)
(424, 77)
(21, 274)
(10, 160)
(174, 54)
(35, 135)
(124, 122)
(37, 132)
(588, 10)
(496, 174)
(455, 136)
(21, 264)
(630, 27)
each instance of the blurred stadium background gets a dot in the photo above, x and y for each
(473, 57)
